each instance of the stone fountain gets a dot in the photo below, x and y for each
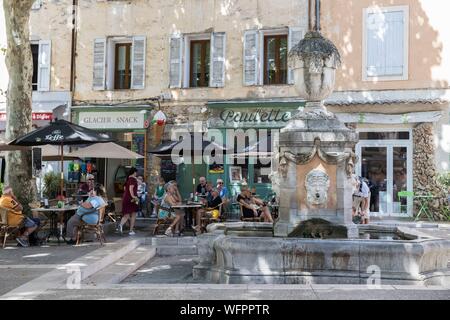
(314, 240)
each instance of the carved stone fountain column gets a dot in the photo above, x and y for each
(316, 150)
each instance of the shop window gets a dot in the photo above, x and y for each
(275, 59)
(402, 135)
(122, 72)
(200, 62)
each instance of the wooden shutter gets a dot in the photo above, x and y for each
(99, 64)
(217, 65)
(295, 35)
(176, 51)
(138, 63)
(385, 44)
(45, 49)
(251, 49)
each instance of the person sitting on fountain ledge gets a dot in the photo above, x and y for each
(253, 207)
(361, 199)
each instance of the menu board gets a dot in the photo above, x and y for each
(138, 146)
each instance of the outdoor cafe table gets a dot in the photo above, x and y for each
(188, 208)
(53, 213)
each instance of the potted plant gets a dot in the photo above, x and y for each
(51, 185)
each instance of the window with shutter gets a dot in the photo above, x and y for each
(44, 64)
(218, 47)
(99, 64)
(251, 58)
(176, 48)
(138, 63)
(386, 43)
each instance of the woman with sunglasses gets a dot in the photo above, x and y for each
(223, 191)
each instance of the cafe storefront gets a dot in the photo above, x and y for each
(250, 132)
(128, 126)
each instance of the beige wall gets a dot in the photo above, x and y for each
(157, 20)
(52, 22)
(429, 42)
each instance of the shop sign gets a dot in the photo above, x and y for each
(45, 116)
(112, 120)
(255, 116)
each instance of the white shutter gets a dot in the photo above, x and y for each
(385, 44)
(217, 64)
(251, 49)
(295, 35)
(138, 63)
(394, 43)
(36, 5)
(99, 64)
(45, 49)
(176, 51)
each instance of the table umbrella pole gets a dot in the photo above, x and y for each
(62, 169)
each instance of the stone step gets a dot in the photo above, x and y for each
(171, 241)
(176, 250)
(122, 268)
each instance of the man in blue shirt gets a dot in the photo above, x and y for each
(88, 212)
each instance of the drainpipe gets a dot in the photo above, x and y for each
(74, 47)
(317, 22)
(310, 15)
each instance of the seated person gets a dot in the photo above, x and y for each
(142, 195)
(223, 191)
(158, 196)
(173, 198)
(201, 187)
(253, 207)
(89, 212)
(361, 199)
(9, 202)
(211, 205)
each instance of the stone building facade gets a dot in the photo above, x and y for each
(388, 101)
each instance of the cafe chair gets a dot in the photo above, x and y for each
(116, 214)
(10, 225)
(244, 219)
(162, 223)
(205, 221)
(96, 228)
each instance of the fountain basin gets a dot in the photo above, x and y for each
(231, 254)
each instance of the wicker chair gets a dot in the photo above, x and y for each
(6, 229)
(97, 228)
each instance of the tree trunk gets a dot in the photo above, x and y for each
(19, 63)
